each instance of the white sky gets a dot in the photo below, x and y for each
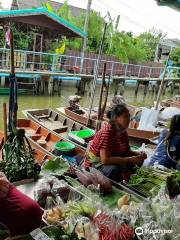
(136, 15)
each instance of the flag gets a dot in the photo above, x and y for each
(8, 38)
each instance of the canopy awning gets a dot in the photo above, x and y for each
(43, 18)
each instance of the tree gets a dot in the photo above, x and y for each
(151, 40)
(175, 56)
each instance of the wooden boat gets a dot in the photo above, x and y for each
(44, 138)
(40, 155)
(6, 91)
(136, 135)
(57, 123)
(173, 102)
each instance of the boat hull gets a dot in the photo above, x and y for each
(142, 136)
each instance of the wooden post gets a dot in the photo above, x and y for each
(100, 99)
(12, 52)
(162, 84)
(5, 121)
(3, 80)
(137, 87)
(146, 88)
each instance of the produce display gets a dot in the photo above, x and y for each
(110, 199)
(54, 215)
(88, 207)
(52, 192)
(57, 166)
(18, 158)
(111, 228)
(148, 180)
(96, 178)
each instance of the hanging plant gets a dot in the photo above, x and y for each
(18, 158)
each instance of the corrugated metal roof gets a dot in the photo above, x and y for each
(43, 18)
(28, 4)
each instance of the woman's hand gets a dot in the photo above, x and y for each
(139, 159)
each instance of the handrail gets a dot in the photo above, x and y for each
(51, 61)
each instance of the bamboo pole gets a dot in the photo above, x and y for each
(100, 99)
(105, 98)
(162, 83)
(96, 72)
(5, 121)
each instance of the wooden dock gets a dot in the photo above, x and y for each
(51, 78)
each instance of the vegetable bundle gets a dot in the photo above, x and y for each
(18, 158)
(111, 229)
(148, 180)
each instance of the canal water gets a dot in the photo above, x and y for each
(45, 101)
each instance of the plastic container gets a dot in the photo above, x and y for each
(85, 134)
(64, 149)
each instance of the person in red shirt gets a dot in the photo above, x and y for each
(18, 213)
(110, 151)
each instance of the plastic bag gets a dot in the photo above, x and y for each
(149, 119)
(86, 229)
(105, 183)
(61, 188)
(168, 113)
(83, 178)
(41, 193)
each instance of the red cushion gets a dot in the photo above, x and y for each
(19, 213)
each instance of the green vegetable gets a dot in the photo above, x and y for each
(173, 186)
(84, 208)
(57, 233)
(3, 234)
(112, 198)
(148, 180)
(18, 158)
(57, 166)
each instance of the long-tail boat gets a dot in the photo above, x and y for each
(44, 138)
(172, 102)
(61, 124)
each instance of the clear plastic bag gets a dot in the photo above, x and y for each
(41, 193)
(103, 181)
(60, 188)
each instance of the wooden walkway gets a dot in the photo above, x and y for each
(57, 77)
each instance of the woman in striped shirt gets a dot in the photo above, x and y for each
(110, 151)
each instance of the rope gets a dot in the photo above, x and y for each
(13, 106)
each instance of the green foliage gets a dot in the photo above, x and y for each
(120, 44)
(2, 38)
(123, 45)
(175, 56)
(150, 40)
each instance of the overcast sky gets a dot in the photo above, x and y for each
(136, 15)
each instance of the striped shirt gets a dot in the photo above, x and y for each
(111, 139)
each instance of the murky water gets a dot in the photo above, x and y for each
(28, 101)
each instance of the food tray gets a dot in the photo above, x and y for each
(123, 186)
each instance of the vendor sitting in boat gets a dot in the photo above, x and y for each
(168, 150)
(110, 151)
(18, 213)
(75, 107)
(74, 104)
(134, 111)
